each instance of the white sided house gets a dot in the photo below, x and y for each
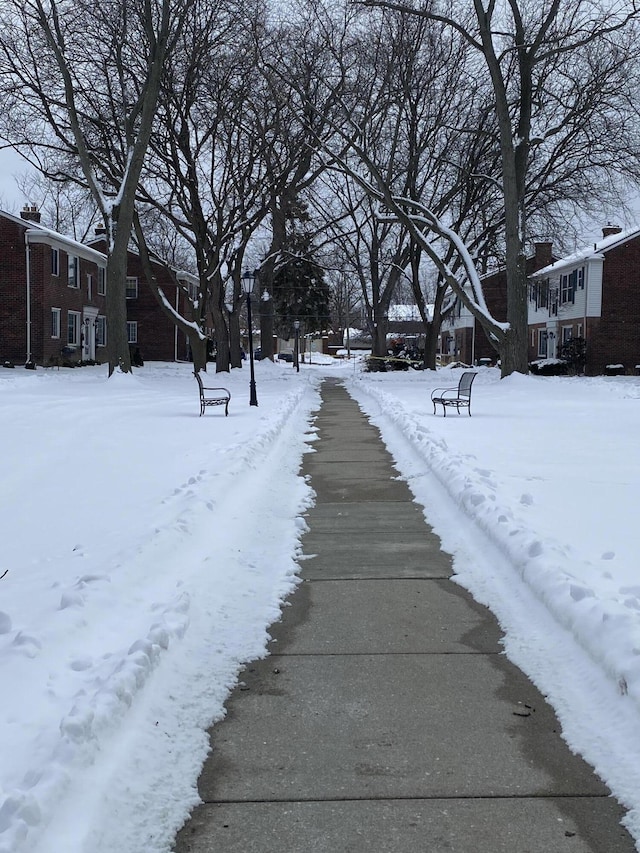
(594, 294)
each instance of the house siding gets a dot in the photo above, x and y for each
(607, 311)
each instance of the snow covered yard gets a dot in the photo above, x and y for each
(149, 549)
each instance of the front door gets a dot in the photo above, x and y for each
(89, 336)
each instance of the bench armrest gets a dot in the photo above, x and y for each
(212, 388)
(441, 391)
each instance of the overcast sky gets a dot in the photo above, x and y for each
(11, 199)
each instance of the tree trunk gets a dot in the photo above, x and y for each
(432, 335)
(223, 355)
(235, 339)
(379, 334)
(116, 305)
(198, 351)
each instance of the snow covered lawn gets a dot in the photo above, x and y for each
(147, 550)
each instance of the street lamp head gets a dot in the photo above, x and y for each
(248, 279)
(296, 325)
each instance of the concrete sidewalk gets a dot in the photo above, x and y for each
(386, 719)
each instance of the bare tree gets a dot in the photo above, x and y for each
(546, 66)
(84, 80)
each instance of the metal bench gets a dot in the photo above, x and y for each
(210, 396)
(458, 397)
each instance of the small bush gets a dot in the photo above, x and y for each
(614, 370)
(574, 352)
(549, 367)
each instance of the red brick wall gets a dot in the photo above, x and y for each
(616, 338)
(156, 331)
(13, 276)
(47, 292)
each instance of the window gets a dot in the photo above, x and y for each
(579, 334)
(539, 293)
(55, 322)
(581, 278)
(567, 333)
(74, 271)
(101, 331)
(542, 343)
(568, 283)
(89, 287)
(132, 332)
(132, 287)
(55, 262)
(73, 328)
(102, 281)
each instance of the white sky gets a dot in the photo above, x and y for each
(166, 542)
(11, 199)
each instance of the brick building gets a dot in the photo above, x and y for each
(149, 329)
(593, 293)
(53, 299)
(462, 338)
(52, 294)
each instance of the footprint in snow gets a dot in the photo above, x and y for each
(25, 643)
(81, 664)
(526, 500)
(608, 555)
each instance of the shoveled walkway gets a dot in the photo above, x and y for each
(386, 719)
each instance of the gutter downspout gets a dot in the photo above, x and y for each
(28, 295)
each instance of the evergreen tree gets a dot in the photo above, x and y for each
(300, 291)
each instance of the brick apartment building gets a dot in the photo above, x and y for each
(52, 294)
(149, 329)
(53, 299)
(462, 338)
(593, 293)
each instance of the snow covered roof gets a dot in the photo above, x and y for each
(407, 313)
(37, 233)
(600, 247)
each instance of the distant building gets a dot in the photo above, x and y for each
(462, 338)
(53, 299)
(594, 294)
(149, 329)
(52, 294)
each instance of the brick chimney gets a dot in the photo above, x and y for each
(100, 230)
(30, 213)
(543, 255)
(610, 229)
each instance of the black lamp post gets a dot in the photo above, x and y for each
(296, 326)
(248, 279)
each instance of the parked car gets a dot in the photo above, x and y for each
(285, 356)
